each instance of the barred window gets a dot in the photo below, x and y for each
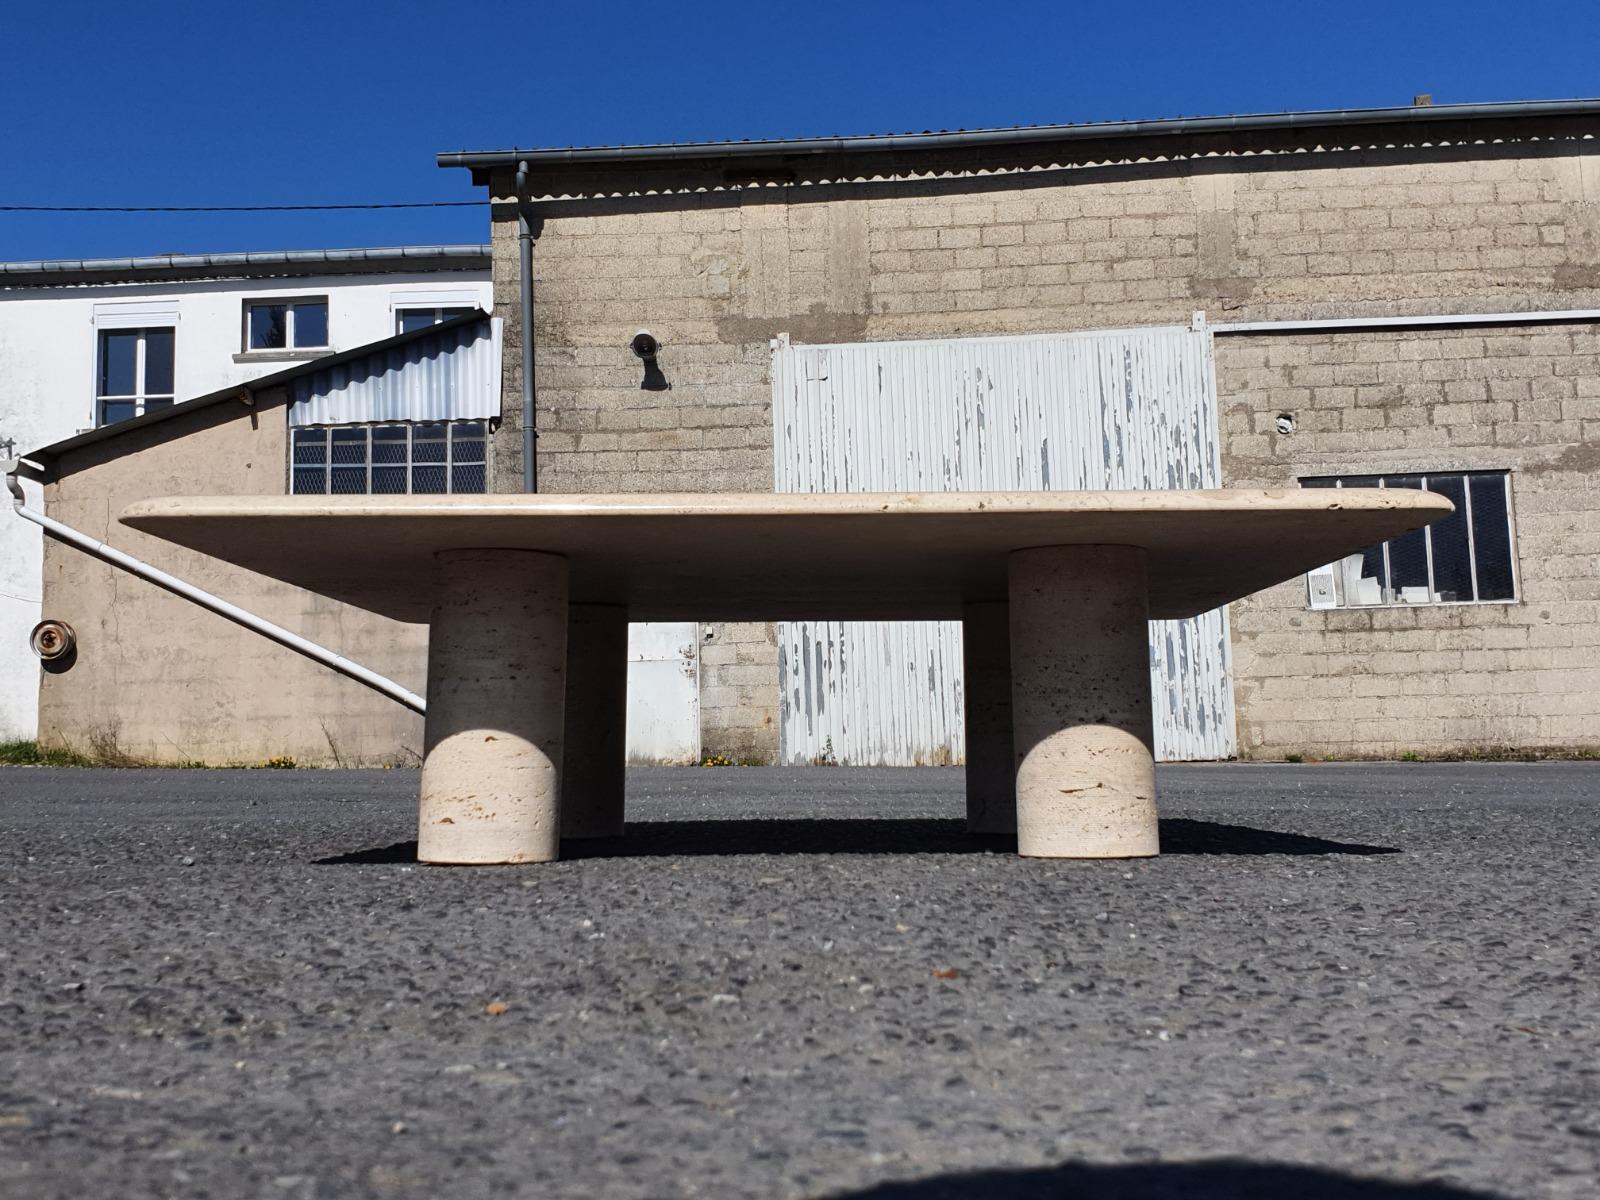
(1465, 558)
(432, 458)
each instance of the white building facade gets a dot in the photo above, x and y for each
(89, 343)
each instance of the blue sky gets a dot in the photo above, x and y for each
(183, 102)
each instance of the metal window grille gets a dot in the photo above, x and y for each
(425, 458)
(1468, 557)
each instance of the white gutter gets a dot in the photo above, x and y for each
(204, 599)
(1336, 324)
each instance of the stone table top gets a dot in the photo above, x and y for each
(759, 556)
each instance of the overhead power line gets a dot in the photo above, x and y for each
(198, 208)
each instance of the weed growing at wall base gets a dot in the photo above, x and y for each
(30, 754)
(25, 753)
(104, 752)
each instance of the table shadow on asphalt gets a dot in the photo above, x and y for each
(664, 839)
(1221, 1179)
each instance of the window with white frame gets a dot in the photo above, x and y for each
(282, 324)
(426, 458)
(134, 374)
(1466, 558)
(408, 319)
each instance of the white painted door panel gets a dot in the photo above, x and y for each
(664, 692)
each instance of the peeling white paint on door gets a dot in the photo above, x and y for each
(1107, 410)
(664, 692)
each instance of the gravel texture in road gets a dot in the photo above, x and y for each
(1340, 982)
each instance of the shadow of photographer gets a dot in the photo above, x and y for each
(1218, 1179)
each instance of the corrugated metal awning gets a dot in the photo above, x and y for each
(452, 375)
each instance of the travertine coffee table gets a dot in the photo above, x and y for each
(529, 596)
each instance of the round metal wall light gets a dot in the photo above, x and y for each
(52, 640)
(644, 344)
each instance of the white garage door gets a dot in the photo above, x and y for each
(1123, 409)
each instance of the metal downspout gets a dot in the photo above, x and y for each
(134, 566)
(530, 429)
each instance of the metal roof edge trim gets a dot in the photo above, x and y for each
(333, 262)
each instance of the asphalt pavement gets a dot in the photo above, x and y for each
(1339, 982)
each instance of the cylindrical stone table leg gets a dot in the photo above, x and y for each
(595, 752)
(986, 691)
(1080, 690)
(491, 769)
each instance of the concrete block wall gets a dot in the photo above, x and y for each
(738, 713)
(1087, 237)
(1387, 681)
(601, 430)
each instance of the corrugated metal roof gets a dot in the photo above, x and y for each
(637, 154)
(453, 375)
(247, 263)
(48, 455)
